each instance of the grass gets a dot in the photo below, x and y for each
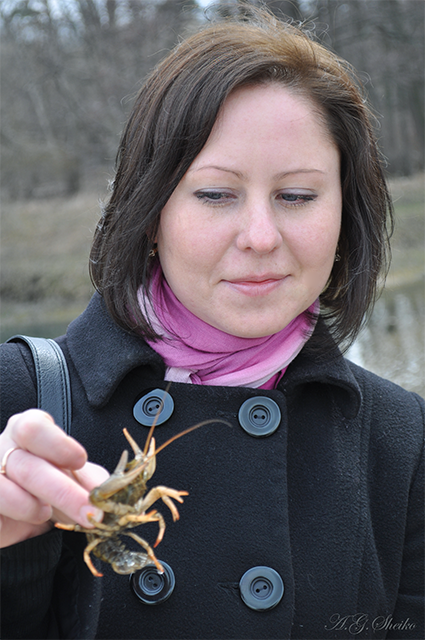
(44, 258)
(45, 246)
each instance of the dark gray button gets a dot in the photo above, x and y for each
(261, 588)
(152, 587)
(155, 404)
(259, 416)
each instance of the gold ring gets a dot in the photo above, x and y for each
(4, 460)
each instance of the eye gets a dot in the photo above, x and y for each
(214, 197)
(296, 199)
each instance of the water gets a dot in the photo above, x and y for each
(393, 342)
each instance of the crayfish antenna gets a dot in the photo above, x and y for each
(183, 433)
(152, 429)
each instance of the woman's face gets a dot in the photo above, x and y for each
(248, 238)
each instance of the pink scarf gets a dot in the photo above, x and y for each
(195, 352)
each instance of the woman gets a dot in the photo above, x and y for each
(248, 207)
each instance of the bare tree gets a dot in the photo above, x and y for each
(384, 40)
(66, 69)
(70, 68)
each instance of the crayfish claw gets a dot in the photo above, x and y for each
(136, 449)
(176, 495)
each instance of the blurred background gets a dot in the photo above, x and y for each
(70, 70)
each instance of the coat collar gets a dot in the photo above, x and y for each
(329, 369)
(94, 334)
(103, 353)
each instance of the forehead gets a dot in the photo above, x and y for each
(266, 116)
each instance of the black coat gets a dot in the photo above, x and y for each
(332, 501)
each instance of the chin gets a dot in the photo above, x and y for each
(259, 331)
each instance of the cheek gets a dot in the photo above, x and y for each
(188, 241)
(173, 237)
(184, 253)
(314, 245)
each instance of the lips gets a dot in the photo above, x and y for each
(256, 285)
(258, 278)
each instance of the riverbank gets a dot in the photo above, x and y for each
(44, 259)
(45, 246)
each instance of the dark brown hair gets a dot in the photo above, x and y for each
(171, 120)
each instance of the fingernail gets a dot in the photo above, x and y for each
(94, 512)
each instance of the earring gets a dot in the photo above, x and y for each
(153, 251)
(337, 257)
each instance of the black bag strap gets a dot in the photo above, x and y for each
(53, 384)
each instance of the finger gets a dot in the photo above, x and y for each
(35, 431)
(51, 485)
(18, 504)
(12, 531)
(91, 475)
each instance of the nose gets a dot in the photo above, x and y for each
(259, 229)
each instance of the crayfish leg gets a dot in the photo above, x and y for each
(147, 548)
(66, 527)
(88, 560)
(74, 527)
(161, 525)
(79, 528)
(165, 493)
(140, 518)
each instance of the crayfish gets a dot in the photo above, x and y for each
(122, 499)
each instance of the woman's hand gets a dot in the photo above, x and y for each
(47, 478)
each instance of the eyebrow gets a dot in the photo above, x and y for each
(213, 166)
(241, 176)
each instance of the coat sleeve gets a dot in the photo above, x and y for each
(29, 570)
(27, 577)
(408, 617)
(46, 591)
